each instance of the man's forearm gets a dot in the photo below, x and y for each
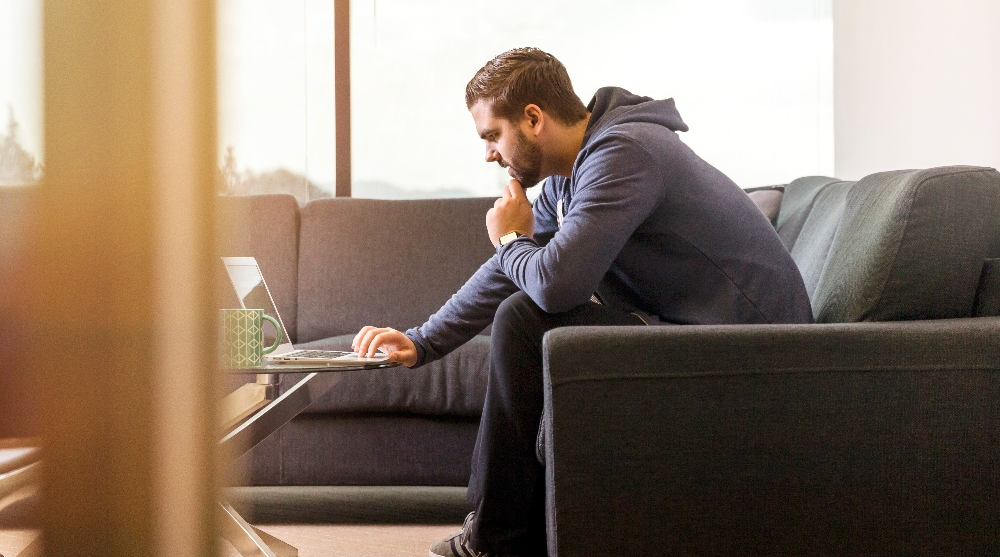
(462, 317)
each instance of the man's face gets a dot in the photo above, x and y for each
(508, 145)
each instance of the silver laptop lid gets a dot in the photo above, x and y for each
(252, 293)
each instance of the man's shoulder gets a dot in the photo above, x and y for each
(642, 133)
(634, 142)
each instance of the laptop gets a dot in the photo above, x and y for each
(252, 293)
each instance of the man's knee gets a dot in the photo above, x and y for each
(517, 308)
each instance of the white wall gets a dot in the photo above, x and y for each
(916, 84)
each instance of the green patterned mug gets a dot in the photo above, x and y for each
(242, 340)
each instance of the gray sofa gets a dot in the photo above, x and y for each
(875, 431)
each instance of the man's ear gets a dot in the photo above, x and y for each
(534, 117)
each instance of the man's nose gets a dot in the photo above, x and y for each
(492, 155)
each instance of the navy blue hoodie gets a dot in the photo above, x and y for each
(646, 224)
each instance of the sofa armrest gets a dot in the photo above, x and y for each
(861, 438)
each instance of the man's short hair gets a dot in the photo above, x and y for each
(524, 76)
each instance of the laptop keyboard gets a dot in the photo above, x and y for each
(324, 354)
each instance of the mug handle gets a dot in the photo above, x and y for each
(277, 337)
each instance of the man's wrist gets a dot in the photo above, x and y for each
(417, 345)
(508, 238)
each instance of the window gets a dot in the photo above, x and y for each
(276, 126)
(20, 92)
(752, 78)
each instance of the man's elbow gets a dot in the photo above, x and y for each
(559, 300)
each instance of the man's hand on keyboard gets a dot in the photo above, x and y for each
(395, 344)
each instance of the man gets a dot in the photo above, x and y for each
(631, 228)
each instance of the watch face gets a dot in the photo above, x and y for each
(509, 237)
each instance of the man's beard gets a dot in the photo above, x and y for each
(525, 162)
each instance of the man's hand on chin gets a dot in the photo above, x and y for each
(510, 213)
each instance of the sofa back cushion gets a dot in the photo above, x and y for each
(808, 233)
(16, 205)
(18, 388)
(768, 200)
(797, 204)
(988, 294)
(385, 262)
(266, 227)
(899, 245)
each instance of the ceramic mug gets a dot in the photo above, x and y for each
(242, 337)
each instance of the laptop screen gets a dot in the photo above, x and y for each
(252, 293)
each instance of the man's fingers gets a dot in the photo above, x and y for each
(405, 357)
(367, 335)
(384, 337)
(404, 354)
(395, 344)
(359, 336)
(368, 340)
(515, 188)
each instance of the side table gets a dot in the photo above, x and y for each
(255, 411)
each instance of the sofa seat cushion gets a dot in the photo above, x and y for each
(452, 386)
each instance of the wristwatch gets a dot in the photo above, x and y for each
(508, 238)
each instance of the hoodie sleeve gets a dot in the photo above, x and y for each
(473, 307)
(463, 316)
(617, 185)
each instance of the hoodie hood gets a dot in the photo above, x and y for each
(614, 105)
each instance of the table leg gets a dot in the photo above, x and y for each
(242, 403)
(249, 540)
(34, 548)
(19, 484)
(278, 412)
(255, 426)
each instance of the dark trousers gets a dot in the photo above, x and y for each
(507, 486)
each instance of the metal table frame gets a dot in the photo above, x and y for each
(251, 414)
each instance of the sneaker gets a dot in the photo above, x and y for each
(457, 545)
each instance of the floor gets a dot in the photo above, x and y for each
(355, 540)
(320, 521)
(17, 522)
(354, 521)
